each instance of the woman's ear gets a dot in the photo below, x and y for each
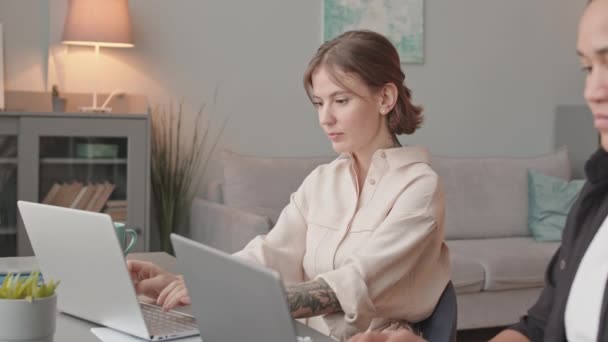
(388, 98)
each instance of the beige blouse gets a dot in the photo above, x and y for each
(380, 248)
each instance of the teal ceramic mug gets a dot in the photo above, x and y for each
(122, 232)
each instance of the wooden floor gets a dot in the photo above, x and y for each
(478, 335)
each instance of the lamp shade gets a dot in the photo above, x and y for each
(98, 22)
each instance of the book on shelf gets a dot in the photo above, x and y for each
(74, 191)
(92, 197)
(67, 194)
(89, 191)
(107, 189)
(79, 195)
(60, 196)
(117, 213)
(51, 194)
(116, 203)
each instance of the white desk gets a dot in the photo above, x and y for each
(72, 329)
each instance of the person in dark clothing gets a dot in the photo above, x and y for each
(573, 305)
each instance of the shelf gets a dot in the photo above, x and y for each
(8, 161)
(8, 231)
(43, 149)
(82, 161)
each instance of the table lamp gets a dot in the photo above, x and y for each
(98, 23)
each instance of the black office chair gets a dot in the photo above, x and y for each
(441, 325)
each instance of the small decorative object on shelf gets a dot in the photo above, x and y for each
(28, 308)
(58, 102)
(91, 150)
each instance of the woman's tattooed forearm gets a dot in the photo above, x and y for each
(312, 298)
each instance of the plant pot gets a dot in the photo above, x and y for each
(21, 320)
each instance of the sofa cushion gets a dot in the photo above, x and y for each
(467, 274)
(508, 263)
(488, 197)
(262, 185)
(549, 201)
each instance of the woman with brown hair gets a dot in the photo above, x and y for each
(361, 245)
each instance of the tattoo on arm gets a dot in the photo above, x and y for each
(312, 298)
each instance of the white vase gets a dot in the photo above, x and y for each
(21, 320)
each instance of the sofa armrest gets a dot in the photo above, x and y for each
(225, 228)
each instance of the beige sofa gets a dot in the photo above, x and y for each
(498, 268)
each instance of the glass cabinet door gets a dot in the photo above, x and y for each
(86, 161)
(88, 173)
(8, 195)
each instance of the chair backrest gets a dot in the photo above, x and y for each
(441, 325)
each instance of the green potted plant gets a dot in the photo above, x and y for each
(28, 308)
(180, 154)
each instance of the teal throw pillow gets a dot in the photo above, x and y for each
(549, 201)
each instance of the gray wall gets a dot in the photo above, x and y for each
(574, 128)
(25, 37)
(494, 70)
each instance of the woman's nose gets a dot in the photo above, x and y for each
(325, 116)
(596, 86)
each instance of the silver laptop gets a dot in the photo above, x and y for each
(80, 248)
(234, 300)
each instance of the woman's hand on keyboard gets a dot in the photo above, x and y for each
(174, 294)
(149, 279)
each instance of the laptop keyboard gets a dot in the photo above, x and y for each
(163, 323)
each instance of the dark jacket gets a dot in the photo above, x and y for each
(545, 320)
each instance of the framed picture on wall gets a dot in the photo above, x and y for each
(401, 21)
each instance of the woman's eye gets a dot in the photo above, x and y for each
(317, 104)
(342, 101)
(586, 69)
